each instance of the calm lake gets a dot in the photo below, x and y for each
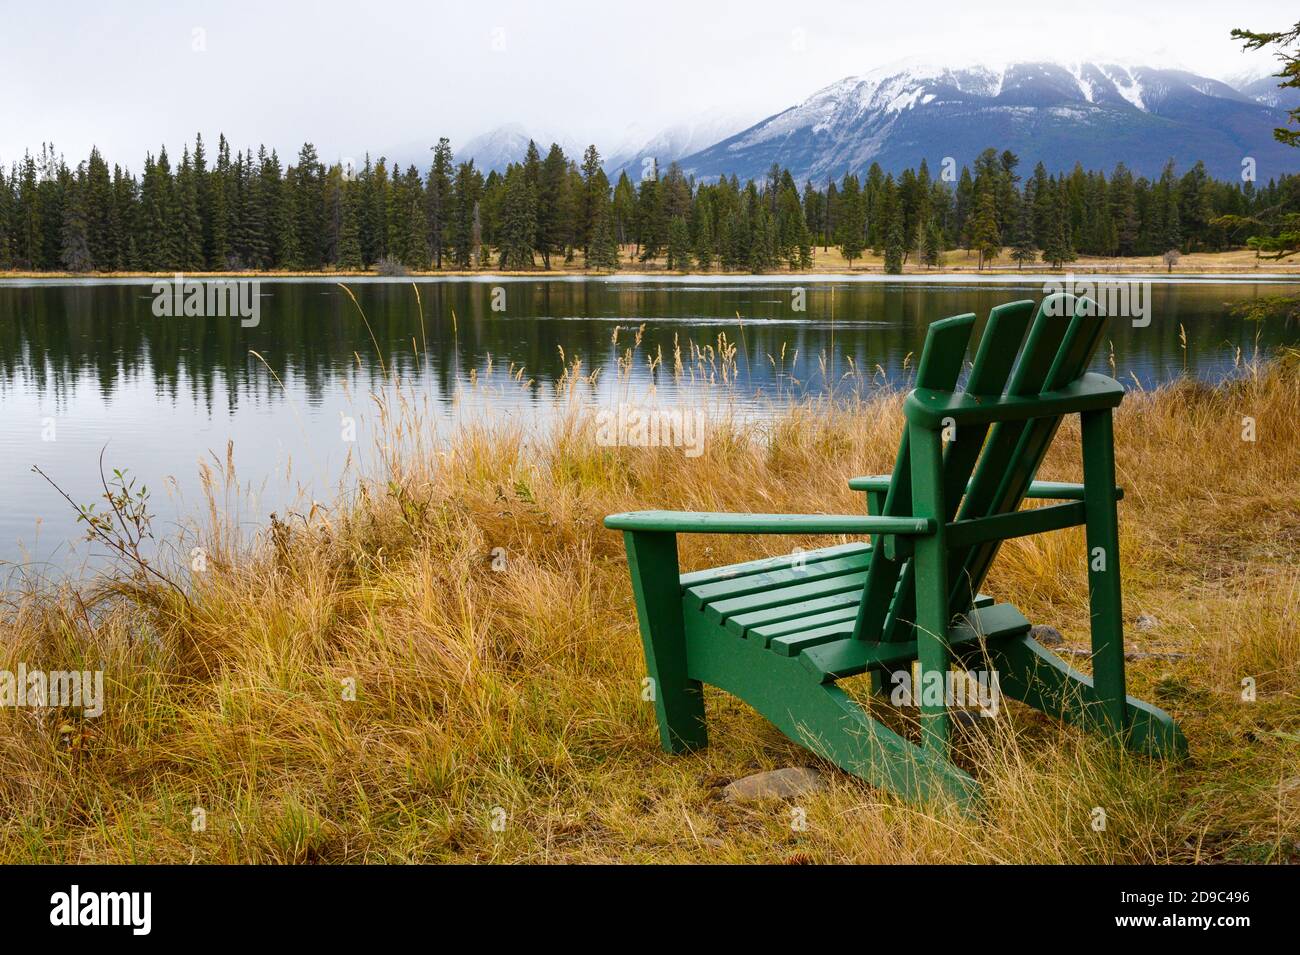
(86, 366)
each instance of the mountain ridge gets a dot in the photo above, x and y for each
(1097, 113)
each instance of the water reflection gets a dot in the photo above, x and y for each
(92, 361)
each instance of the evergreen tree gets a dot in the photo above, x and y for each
(1277, 227)
(874, 203)
(284, 224)
(255, 227)
(1123, 211)
(189, 222)
(308, 201)
(28, 216)
(75, 255)
(7, 202)
(518, 221)
(602, 249)
(763, 252)
(54, 187)
(551, 191)
(894, 246)
(466, 232)
(333, 198)
(98, 210)
(494, 187)
(724, 243)
(911, 202)
(704, 241)
(814, 213)
(894, 229)
(480, 255)
(830, 225)
(374, 225)
(125, 222)
(1171, 227)
(624, 210)
(438, 199)
(964, 208)
(679, 245)
(159, 251)
(851, 219)
(397, 216)
(801, 257)
(595, 198)
(248, 212)
(1042, 212)
(1005, 195)
(202, 202)
(932, 254)
(1059, 248)
(985, 237)
(1022, 246)
(219, 200)
(794, 240)
(418, 254)
(651, 229)
(349, 254)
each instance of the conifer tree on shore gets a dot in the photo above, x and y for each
(250, 211)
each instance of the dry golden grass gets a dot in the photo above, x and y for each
(519, 689)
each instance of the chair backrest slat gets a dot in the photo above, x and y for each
(987, 469)
(1082, 336)
(940, 366)
(999, 345)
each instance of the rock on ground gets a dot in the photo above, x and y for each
(777, 784)
(1047, 636)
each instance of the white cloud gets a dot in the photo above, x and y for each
(357, 76)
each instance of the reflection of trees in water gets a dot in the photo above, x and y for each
(310, 333)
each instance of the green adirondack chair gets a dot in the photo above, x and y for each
(778, 633)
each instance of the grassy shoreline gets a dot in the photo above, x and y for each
(518, 688)
(826, 262)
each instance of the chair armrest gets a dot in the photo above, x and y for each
(704, 522)
(1063, 491)
(1048, 490)
(871, 482)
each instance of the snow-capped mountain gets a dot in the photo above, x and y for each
(498, 148)
(492, 150)
(1094, 113)
(1264, 89)
(508, 143)
(681, 139)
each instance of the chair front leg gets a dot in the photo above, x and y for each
(931, 564)
(1104, 591)
(656, 585)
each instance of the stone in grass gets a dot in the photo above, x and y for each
(777, 784)
(1047, 636)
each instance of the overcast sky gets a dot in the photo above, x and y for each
(372, 75)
